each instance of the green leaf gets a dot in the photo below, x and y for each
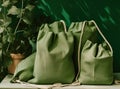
(27, 17)
(7, 21)
(11, 38)
(26, 20)
(14, 1)
(14, 11)
(0, 9)
(10, 30)
(0, 45)
(29, 7)
(1, 14)
(26, 33)
(6, 3)
(4, 39)
(1, 29)
(1, 21)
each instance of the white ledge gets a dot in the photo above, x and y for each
(5, 84)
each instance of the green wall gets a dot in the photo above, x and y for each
(106, 13)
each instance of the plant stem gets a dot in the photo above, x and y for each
(20, 19)
(4, 16)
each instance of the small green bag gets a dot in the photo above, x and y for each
(96, 56)
(24, 70)
(53, 62)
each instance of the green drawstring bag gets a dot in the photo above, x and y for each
(53, 62)
(24, 70)
(59, 54)
(96, 56)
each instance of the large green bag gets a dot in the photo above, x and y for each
(54, 63)
(60, 49)
(96, 56)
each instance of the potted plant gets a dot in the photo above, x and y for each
(19, 25)
(17, 31)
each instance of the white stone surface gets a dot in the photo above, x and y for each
(5, 84)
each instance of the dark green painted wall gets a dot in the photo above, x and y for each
(106, 13)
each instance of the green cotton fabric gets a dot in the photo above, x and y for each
(96, 61)
(53, 62)
(76, 28)
(24, 70)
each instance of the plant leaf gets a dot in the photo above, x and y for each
(7, 21)
(6, 3)
(0, 46)
(14, 1)
(29, 7)
(14, 11)
(26, 20)
(27, 17)
(11, 38)
(1, 29)
(4, 39)
(1, 21)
